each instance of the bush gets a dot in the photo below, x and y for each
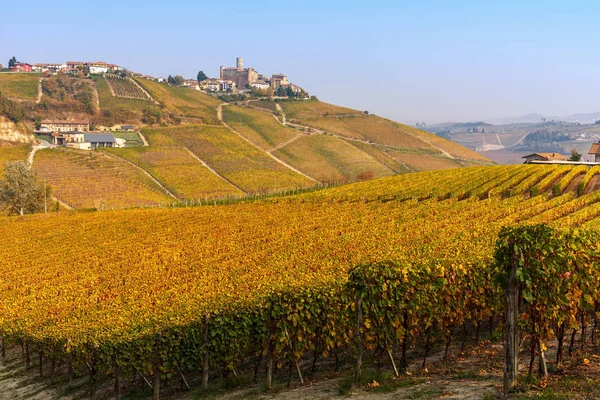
(534, 191)
(556, 190)
(580, 188)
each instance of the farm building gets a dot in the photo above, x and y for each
(544, 157)
(97, 139)
(64, 126)
(65, 138)
(21, 67)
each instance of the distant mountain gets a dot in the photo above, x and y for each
(524, 119)
(582, 118)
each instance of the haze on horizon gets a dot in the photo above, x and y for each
(435, 61)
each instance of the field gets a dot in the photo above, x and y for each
(178, 171)
(125, 87)
(183, 101)
(329, 159)
(12, 152)
(19, 86)
(379, 153)
(276, 278)
(259, 127)
(269, 105)
(232, 157)
(92, 180)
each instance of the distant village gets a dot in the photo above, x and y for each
(77, 134)
(236, 80)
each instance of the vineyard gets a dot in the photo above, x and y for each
(19, 86)
(259, 127)
(193, 104)
(378, 267)
(329, 159)
(126, 88)
(179, 172)
(91, 180)
(232, 157)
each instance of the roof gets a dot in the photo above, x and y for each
(59, 121)
(548, 156)
(595, 149)
(99, 137)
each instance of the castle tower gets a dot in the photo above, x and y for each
(239, 63)
(221, 72)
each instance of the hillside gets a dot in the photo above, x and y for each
(202, 148)
(270, 277)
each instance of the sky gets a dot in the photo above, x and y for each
(412, 61)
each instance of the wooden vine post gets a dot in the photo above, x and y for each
(205, 360)
(156, 385)
(359, 342)
(511, 316)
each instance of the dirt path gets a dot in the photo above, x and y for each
(167, 191)
(215, 172)
(278, 107)
(281, 145)
(143, 139)
(40, 93)
(96, 95)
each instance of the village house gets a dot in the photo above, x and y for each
(210, 85)
(21, 67)
(595, 151)
(191, 83)
(66, 138)
(544, 157)
(49, 67)
(75, 64)
(261, 84)
(99, 139)
(98, 67)
(48, 125)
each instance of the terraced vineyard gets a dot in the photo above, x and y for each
(179, 172)
(92, 180)
(224, 284)
(19, 86)
(126, 88)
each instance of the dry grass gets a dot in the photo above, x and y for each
(234, 158)
(19, 86)
(183, 101)
(84, 179)
(329, 159)
(258, 127)
(178, 171)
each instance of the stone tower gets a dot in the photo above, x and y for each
(239, 63)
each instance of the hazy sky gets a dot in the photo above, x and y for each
(412, 61)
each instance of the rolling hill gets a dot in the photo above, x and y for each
(202, 148)
(275, 281)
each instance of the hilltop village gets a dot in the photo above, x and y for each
(233, 80)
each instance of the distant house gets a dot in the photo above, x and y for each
(98, 67)
(191, 83)
(261, 84)
(21, 67)
(544, 157)
(595, 151)
(74, 64)
(127, 128)
(97, 139)
(211, 85)
(45, 67)
(64, 126)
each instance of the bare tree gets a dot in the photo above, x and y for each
(20, 191)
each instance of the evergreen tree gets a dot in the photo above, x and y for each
(12, 62)
(202, 76)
